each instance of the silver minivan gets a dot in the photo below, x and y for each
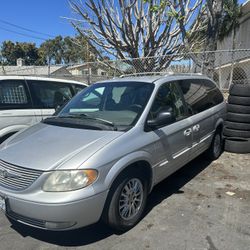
(103, 153)
(26, 100)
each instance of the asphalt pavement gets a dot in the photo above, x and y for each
(203, 206)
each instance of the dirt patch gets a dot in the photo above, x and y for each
(190, 193)
(229, 191)
(228, 177)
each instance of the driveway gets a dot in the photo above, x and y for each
(203, 206)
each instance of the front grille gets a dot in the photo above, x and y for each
(16, 178)
(26, 220)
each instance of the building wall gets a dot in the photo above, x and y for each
(239, 72)
(242, 36)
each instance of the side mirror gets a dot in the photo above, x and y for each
(163, 118)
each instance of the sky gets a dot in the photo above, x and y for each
(39, 15)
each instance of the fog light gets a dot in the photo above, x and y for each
(59, 225)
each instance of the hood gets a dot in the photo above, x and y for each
(47, 147)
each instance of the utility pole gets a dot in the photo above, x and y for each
(48, 60)
(88, 63)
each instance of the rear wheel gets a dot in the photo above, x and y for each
(216, 146)
(126, 201)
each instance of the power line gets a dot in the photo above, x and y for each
(22, 34)
(26, 29)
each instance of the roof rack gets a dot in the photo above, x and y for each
(158, 73)
(146, 74)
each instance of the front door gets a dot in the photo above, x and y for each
(49, 95)
(174, 141)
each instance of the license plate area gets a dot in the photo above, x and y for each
(2, 204)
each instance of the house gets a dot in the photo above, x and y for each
(91, 72)
(22, 69)
(96, 69)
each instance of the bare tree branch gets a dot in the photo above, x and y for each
(132, 29)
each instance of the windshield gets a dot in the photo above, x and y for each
(115, 104)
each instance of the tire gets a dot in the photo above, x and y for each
(236, 133)
(240, 90)
(237, 145)
(114, 215)
(239, 100)
(244, 118)
(233, 108)
(216, 146)
(238, 125)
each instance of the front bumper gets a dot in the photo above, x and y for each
(61, 216)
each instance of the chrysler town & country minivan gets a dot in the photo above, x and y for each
(102, 154)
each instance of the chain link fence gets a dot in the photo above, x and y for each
(225, 67)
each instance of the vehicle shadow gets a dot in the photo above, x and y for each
(174, 183)
(94, 233)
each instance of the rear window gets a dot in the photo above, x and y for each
(48, 94)
(200, 95)
(13, 93)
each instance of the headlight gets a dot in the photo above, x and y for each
(69, 180)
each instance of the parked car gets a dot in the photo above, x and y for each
(25, 101)
(102, 154)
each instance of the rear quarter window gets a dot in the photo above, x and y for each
(14, 94)
(200, 95)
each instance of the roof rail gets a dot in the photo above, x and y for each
(147, 73)
(158, 73)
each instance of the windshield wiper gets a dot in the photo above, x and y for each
(106, 122)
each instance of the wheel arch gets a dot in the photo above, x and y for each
(219, 125)
(137, 160)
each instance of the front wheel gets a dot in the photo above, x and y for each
(127, 202)
(216, 146)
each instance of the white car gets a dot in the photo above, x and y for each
(26, 100)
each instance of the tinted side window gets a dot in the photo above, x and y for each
(13, 94)
(200, 94)
(168, 98)
(47, 94)
(78, 87)
(213, 92)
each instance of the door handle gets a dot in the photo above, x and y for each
(188, 132)
(196, 128)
